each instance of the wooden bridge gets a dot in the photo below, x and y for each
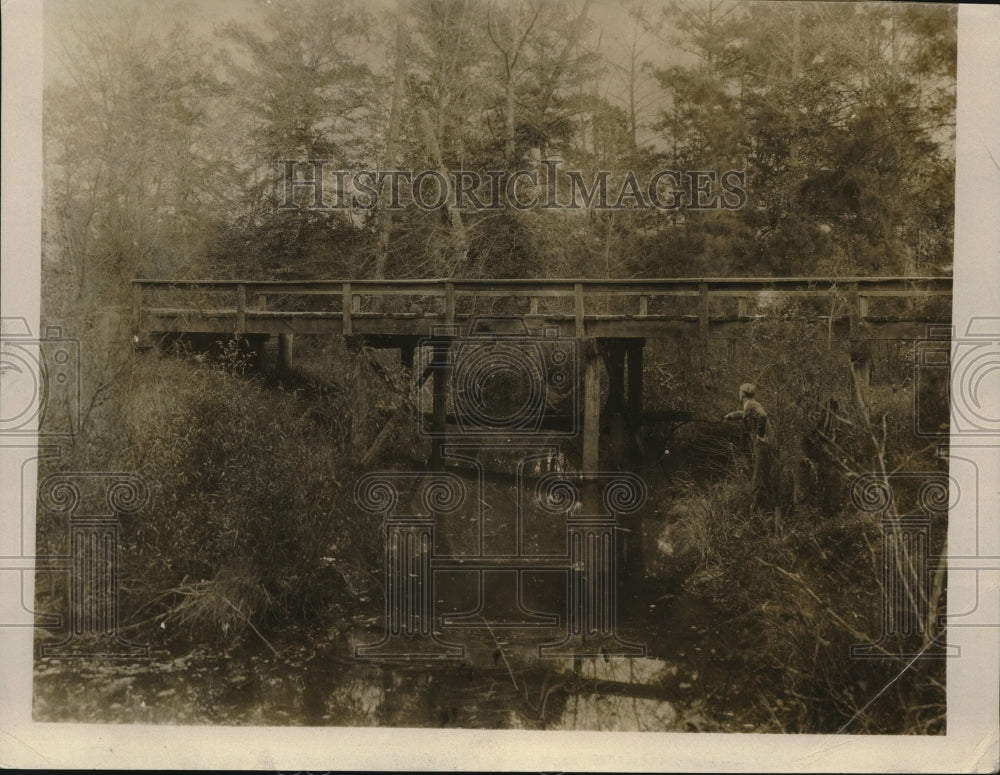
(610, 319)
(607, 321)
(577, 308)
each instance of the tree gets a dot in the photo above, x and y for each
(299, 93)
(133, 176)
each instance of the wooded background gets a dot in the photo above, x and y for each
(165, 128)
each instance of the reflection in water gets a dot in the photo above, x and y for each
(608, 713)
(623, 699)
(489, 691)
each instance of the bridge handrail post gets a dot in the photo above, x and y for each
(644, 305)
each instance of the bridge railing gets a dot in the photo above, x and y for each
(579, 299)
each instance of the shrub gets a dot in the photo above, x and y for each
(250, 506)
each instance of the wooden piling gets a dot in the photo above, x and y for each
(633, 410)
(591, 404)
(442, 376)
(616, 402)
(703, 319)
(406, 352)
(285, 352)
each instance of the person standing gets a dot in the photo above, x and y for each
(758, 426)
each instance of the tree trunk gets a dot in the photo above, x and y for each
(574, 36)
(392, 143)
(457, 227)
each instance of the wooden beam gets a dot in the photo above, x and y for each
(406, 352)
(137, 306)
(739, 285)
(615, 363)
(855, 312)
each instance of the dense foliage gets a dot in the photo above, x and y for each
(166, 149)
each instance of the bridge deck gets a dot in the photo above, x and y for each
(580, 308)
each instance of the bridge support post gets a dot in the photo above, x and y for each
(406, 355)
(634, 408)
(615, 362)
(442, 377)
(285, 352)
(630, 543)
(704, 308)
(591, 422)
(591, 404)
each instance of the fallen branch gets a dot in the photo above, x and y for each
(503, 656)
(247, 620)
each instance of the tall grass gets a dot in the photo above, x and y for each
(800, 582)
